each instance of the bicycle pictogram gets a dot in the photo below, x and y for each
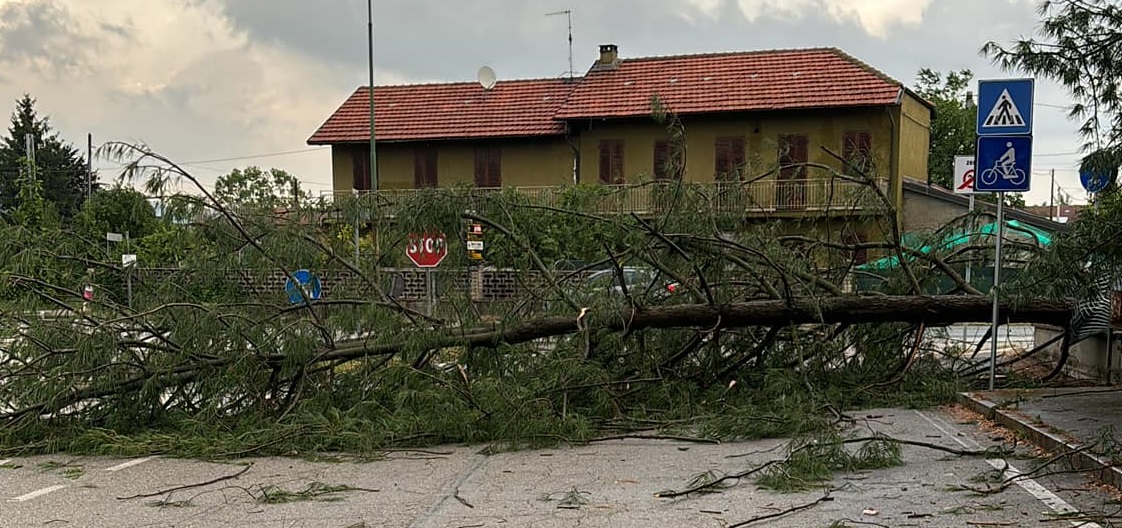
(1006, 168)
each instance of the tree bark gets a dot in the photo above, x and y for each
(929, 310)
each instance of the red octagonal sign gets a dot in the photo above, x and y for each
(427, 249)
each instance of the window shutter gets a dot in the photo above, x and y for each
(662, 159)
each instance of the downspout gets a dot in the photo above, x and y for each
(896, 183)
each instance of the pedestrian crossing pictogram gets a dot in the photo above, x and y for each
(1005, 113)
(1005, 107)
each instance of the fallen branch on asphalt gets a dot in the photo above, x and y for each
(189, 486)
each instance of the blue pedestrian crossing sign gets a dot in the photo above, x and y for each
(1005, 107)
(1004, 164)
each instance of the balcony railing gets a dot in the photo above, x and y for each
(810, 196)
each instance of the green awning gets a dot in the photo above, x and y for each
(1012, 228)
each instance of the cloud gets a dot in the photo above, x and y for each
(43, 36)
(874, 17)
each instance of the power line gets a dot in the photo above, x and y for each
(255, 156)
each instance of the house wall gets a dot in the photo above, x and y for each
(549, 162)
(1092, 358)
(915, 138)
(761, 131)
(924, 213)
(525, 163)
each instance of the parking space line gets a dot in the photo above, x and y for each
(37, 493)
(129, 464)
(1033, 488)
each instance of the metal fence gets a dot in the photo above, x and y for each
(767, 195)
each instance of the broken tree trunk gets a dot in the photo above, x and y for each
(930, 310)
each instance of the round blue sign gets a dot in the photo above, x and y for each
(1096, 181)
(306, 284)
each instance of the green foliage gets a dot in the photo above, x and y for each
(953, 121)
(33, 211)
(257, 188)
(200, 365)
(1077, 45)
(813, 460)
(61, 169)
(117, 210)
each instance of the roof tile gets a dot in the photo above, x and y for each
(730, 82)
(686, 84)
(448, 111)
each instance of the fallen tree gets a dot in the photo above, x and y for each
(758, 317)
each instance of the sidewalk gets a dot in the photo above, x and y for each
(1073, 420)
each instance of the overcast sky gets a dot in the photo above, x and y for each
(218, 84)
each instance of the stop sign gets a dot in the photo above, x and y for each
(427, 249)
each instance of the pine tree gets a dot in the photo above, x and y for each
(61, 168)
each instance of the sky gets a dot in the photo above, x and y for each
(219, 84)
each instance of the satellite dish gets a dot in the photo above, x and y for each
(486, 77)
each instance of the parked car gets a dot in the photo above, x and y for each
(639, 281)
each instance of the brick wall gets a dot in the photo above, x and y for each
(404, 284)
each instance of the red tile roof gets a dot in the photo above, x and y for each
(731, 82)
(687, 84)
(518, 108)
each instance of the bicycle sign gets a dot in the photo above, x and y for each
(1004, 164)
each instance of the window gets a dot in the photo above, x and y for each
(857, 151)
(360, 170)
(668, 164)
(611, 161)
(424, 167)
(790, 189)
(488, 167)
(729, 158)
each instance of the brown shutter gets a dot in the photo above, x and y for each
(495, 168)
(662, 166)
(424, 167)
(360, 173)
(729, 158)
(790, 191)
(617, 162)
(857, 148)
(480, 167)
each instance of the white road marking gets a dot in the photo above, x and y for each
(130, 463)
(5, 461)
(1034, 488)
(37, 493)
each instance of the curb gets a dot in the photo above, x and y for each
(1095, 466)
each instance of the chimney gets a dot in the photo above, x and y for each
(609, 57)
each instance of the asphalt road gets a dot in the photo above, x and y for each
(608, 484)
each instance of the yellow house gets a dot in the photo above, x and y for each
(775, 121)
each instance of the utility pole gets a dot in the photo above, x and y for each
(370, 54)
(89, 166)
(1052, 199)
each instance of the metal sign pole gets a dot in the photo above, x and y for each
(969, 267)
(996, 283)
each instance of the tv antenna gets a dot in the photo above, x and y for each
(569, 17)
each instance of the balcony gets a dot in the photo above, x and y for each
(810, 197)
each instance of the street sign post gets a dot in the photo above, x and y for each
(1005, 107)
(1003, 163)
(306, 286)
(1096, 181)
(964, 174)
(426, 250)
